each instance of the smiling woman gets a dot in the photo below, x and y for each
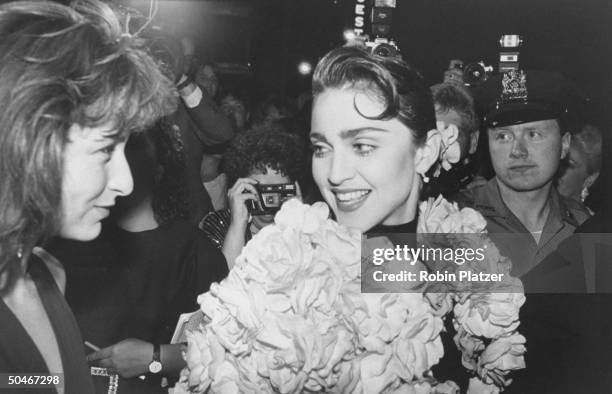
(370, 121)
(66, 113)
(95, 173)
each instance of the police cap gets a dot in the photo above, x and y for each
(516, 97)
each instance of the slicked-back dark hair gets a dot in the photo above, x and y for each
(61, 66)
(399, 87)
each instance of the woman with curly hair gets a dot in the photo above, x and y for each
(73, 87)
(264, 156)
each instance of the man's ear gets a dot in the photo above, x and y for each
(566, 140)
(427, 154)
(473, 142)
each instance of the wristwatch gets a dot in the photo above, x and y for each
(155, 366)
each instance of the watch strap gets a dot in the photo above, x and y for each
(156, 352)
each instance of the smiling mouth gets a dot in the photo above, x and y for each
(350, 201)
(104, 212)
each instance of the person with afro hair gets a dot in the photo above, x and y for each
(267, 155)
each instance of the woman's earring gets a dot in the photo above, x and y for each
(584, 193)
(425, 178)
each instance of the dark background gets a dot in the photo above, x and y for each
(270, 37)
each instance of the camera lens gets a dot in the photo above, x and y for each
(385, 50)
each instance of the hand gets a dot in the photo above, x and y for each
(242, 191)
(128, 358)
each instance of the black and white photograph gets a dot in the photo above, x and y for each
(305, 196)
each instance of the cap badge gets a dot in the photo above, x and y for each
(514, 85)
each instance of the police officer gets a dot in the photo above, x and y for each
(527, 117)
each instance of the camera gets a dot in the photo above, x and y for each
(476, 73)
(473, 74)
(271, 197)
(383, 47)
(470, 74)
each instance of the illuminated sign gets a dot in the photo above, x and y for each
(359, 22)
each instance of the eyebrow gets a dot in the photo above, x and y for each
(347, 134)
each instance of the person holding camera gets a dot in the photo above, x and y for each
(264, 158)
(67, 111)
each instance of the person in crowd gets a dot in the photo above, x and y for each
(198, 121)
(236, 108)
(370, 142)
(567, 313)
(214, 179)
(581, 169)
(528, 119)
(272, 109)
(264, 156)
(150, 267)
(207, 79)
(66, 114)
(454, 105)
(373, 135)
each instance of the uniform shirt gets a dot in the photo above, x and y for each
(564, 216)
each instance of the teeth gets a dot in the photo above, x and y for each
(351, 195)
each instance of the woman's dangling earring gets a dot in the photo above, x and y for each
(584, 193)
(20, 252)
(425, 178)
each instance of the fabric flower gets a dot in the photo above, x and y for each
(440, 216)
(450, 151)
(477, 386)
(500, 357)
(291, 317)
(490, 315)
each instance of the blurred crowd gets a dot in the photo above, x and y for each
(211, 172)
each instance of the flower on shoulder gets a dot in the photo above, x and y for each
(441, 216)
(447, 139)
(450, 150)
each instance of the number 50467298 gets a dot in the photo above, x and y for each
(30, 380)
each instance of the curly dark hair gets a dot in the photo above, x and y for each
(400, 87)
(267, 146)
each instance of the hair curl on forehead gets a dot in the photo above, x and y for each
(62, 66)
(395, 84)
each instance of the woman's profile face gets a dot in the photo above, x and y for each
(95, 172)
(365, 169)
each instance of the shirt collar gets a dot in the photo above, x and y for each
(492, 204)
